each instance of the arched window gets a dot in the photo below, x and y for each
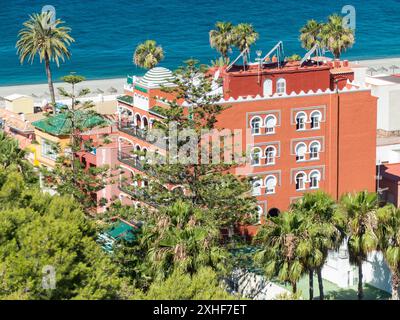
(257, 187)
(145, 123)
(270, 124)
(281, 86)
(301, 150)
(316, 118)
(301, 118)
(145, 183)
(143, 156)
(255, 125)
(300, 181)
(315, 148)
(267, 87)
(315, 177)
(270, 184)
(270, 154)
(255, 156)
(138, 121)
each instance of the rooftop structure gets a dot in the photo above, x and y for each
(119, 231)
(60, 124)
(302, 115)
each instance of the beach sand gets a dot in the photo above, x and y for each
(41, 91)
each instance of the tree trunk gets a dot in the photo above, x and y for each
(294, 287)
(50, 82)
(311, 284)
(360, 294)
(395, 284)
(320, 284)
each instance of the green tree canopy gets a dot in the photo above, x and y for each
(38, 232)
(148, 54)
(203, 285)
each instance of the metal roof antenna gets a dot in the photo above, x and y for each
(316, 49)
(245, 51)
(279, 53)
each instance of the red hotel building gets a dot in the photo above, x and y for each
(313, 127)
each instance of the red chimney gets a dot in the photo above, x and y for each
(345, 63)
(337, 63)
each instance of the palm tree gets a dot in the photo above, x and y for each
(324, 231)
(148, 54)
(244, 36)
(335, 37)
(48, 40)
(389, 243)
(182, 237)
(310, 34)
(282, 245)
(359, 211)
(221, 38)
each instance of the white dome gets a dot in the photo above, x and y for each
(158, 76)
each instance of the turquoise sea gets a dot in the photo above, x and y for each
(107, 31)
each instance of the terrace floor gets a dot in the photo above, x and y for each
(333, 292)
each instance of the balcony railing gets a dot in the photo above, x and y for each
(126, 99)
(131, 160)
(139, 194)
(130, 128)
(141, 163)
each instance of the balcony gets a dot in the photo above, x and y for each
(143, 164)
(131, 160)
(130, 128)
(125, 99)
(139, 194)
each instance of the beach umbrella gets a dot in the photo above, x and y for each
(112, 90)
(393, 68)
(382, 69)
(371, 70)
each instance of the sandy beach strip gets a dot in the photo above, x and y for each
(41, 91)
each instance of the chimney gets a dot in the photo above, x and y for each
(345, 63)
(337, 63)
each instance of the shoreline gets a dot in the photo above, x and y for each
(40, 91)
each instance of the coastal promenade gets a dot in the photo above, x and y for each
(115, 86)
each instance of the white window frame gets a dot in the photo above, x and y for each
(281, 86)
(259, 120)
(300, 126)
(256, 151)
(315, 155)
(315, 174)
(316, 114)
(269, 129)
(304, 180)
(303, 157)
(270, 191)
(47, 150)
(259, 182)
(268, 158)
